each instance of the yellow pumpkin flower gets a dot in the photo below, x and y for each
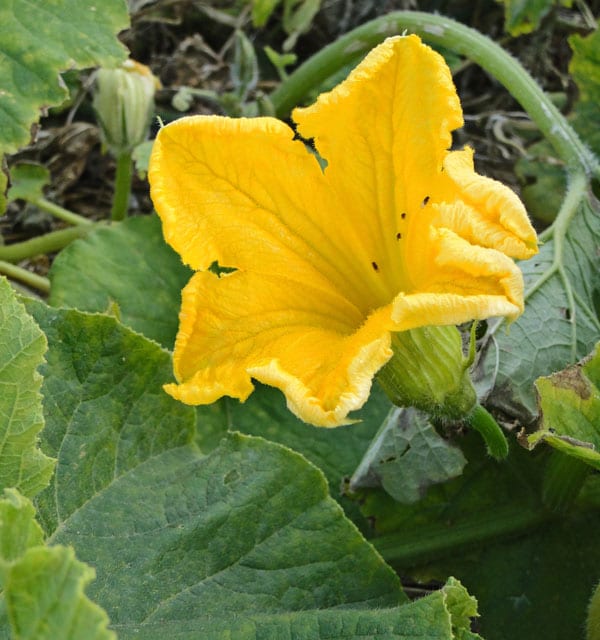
(395, 233)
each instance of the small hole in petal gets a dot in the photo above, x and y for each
(403, 215)
(425, 201)
(398, 236)
(375, 266)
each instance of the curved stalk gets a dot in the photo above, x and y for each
(60, 212)
(48, 243)
(495, 440)
(459, 38)
(25, 276)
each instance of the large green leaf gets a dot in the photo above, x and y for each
(22, 347)
(42, 588)
(570, 404)
(532, 571)
(104, 406)
(244, 542)
(128, 264)
(560, 324)
(39, 39)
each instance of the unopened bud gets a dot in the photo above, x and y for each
(124, 104)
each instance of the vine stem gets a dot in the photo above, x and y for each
(60, 212)
(25, 276)
(122, 186)
(48, 243)
(459, 38)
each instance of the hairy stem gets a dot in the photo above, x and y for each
(122, 186)
(459, 38)
(495, 440)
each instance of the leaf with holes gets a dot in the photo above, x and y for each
(570, 403)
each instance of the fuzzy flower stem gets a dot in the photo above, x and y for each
(495, 441)
(122, 186)
(442, 31)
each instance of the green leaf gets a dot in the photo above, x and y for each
(141, 158)
(336, 452)
(560, 324)
(42, 38)
(244, 542)
(244, 69)
(128, 264)
(517, 580)
(297, 18)
(22, 347)
(524, 16)
(18, 529)
(45, 598)
(593, 617)
(407, 456)
(28, 181)
(432, 617)
(490, 529)
(570, 404)
(42, 588)
(262, 10)
(585, 69)
(104, 406)
(543, 181)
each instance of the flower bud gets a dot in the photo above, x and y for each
(124, 104)
(429, 371)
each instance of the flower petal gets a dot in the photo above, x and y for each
(462, 282)
(315, 348)
(488, 203)
(384, 133)
(245, 194)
